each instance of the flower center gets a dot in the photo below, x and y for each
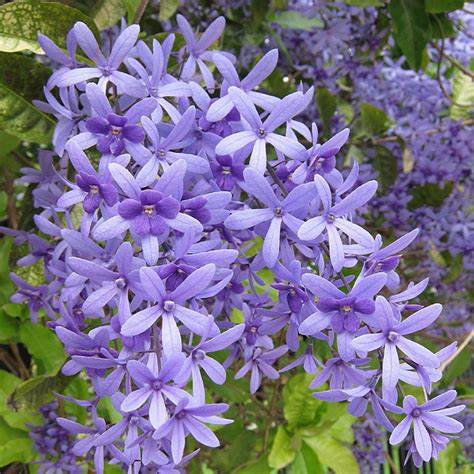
(198, 355)
(168, 306)
(261, 132)
(346, 308)
(120, 283)
(94, 189)
(157, 385)
(278, 212)
(393, 336)
(161, 153)
(115, 131)
(416, 412)
(148, 209)
(331, 218)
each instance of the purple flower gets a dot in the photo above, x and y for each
(259, 364)
(227, 172)
(427, 419)
(107, 69)
(343, 312)
(265, 66)
(276, 211)
(190, 418)
(170, 307)
(198, 359)
(154, 385)
(196, 48)
(258, 133)
(113, 133)
(392, 337)
(334, 219)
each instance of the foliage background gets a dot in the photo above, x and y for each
(425, 46)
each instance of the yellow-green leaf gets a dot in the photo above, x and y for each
(463, 96)
(334, 454)
(21, 80)
(21, 21)
(282, 452)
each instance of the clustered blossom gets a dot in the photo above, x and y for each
(183, 187)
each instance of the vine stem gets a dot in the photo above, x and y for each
(140, 11)
(453, 61)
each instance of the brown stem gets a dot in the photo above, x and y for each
(140, 11)
(461, 347)
(11, 208)
(22, 369)
(453, 61)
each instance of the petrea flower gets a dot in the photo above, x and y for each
(359, 397)
(164, 150)
(320, 159)
(260, 364)
(196, 48)
(222, 106)
(91, 187)
(107, 69)
(112, 283)
(159, 84)
(392, 337)
(227, 172)
(386, 259)
(154, 385)
(343, 312)
(170, 307)
(334, 219)
(277, 212)
(198, 359)
(258, 133)
(188, 417)
(425, 418)
(110, 132)
(149, 213)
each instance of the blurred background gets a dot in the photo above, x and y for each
(399, 74)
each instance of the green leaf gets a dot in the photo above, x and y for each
(16, 450)
(168, 9)
(37, 391)
(8, 327)
(131, 6)
(7, 432)
(457, 367)
(441, 26)
(282, 452)
(463, 95)
(374, 121)
(257, 467)
(306, 462)
(439, 6)
(293, 20)
(21, 80)
(364, 3)
(43, 345)
(107, 13)
(429, 194)
(327, 105)
(9, 143)
(411, 29)
(446, 463)
(300, 408)
(332, 453)
(386, 165)
(21, 21)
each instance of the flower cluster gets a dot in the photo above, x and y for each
(176, 187)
